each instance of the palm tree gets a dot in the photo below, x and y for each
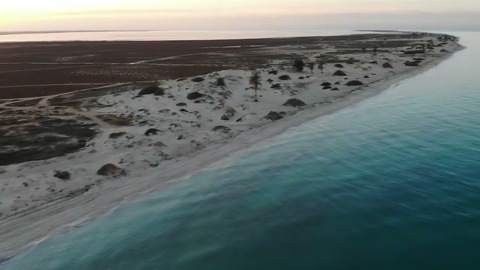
(311, 66)
(255, 82)
(320, 66)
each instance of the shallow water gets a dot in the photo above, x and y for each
(390, 183)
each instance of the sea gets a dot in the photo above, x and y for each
(161, 35)
(392, 182)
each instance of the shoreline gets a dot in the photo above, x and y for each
(81, 210)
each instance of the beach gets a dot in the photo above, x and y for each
(185, 135)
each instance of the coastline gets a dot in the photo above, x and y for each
(84, 208)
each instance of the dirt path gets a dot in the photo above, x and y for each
(43, 105)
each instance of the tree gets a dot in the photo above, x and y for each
(311, 66)
(424, 48)
(298, 65)
(221, 82)
(320, 66)
(255, 82)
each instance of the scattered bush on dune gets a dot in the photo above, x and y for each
(339, 73)
(411, 63)
(354, 83)
(276, 86)
(274, 116)
(298, 65)
(63, 175)
(151, 131)
(387, 65)
(194, 95)
(221, 82)
(110, 170)
(294, 102)
(116, 135)
(230, 112)
(351, 61)
(198, 79)
(414, 52)
(223, 129)
(273, 72)
(150, 90)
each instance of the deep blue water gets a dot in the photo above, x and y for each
(390, 183)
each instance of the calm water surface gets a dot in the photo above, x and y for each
(167, 35)
(390, 183)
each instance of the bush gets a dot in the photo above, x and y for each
(194, 95)
(198, 79)
(339, 73)
(293, 102)
(221, 82)
(298, 65)
(149, 90)
(276, 86)
(411, 63)
(387, 65)
(354, 83)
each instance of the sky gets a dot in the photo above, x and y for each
(40, 15)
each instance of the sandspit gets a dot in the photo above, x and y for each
(68, 157)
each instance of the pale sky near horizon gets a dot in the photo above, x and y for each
(37, 15)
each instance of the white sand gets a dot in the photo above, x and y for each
(149, 165)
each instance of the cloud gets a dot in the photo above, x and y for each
(120, 12)
(182, 19)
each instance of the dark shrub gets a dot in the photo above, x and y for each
(221, 129)
(354, 83)
(151, 131)
(194, 95)
(339, 73)
(274, 116)
(276, 86)
(414, 52)
(198, 79)
(149, 90)
(387, 65)
(221, 82)
(298, 65)
(411, 63)
(63, 175)
(294, 103)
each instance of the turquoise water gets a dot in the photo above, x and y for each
(390, 183)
